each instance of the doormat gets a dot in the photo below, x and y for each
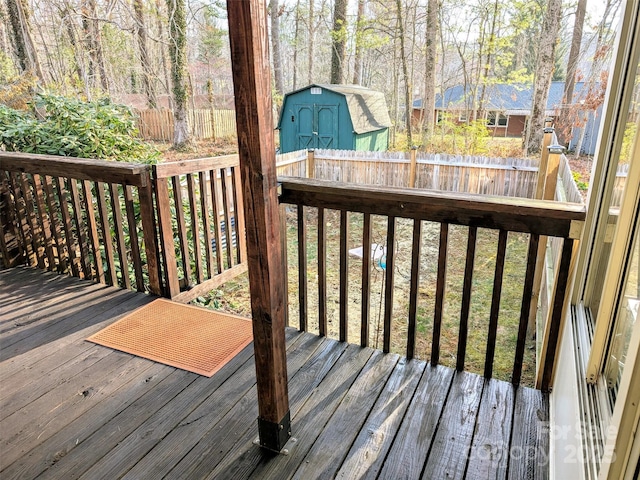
(182, 336)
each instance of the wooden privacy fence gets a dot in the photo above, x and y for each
(203, 124)
(454, 173)
(176, 229)
(503, 215)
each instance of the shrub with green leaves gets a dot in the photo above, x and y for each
(73, 128)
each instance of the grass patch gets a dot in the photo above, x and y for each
(234, 295)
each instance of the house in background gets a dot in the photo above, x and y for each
(345, 117)
(507, 107)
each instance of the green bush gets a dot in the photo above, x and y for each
(73, 128)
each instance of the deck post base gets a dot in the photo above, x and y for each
(273, 436)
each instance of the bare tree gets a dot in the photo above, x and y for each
(23, 43)
(357, 63)
(429, 97)
(405, 73)
(544, 72)
(178, 55)
(339, 41)
(274, 13)
(147, 71)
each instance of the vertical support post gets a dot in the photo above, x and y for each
(172, 284)
(548, 181)
(252, 86)
(413, 165)
(145, 193)
(311, 163)
(544, 159)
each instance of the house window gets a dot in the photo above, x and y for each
(316, 91)
(496, 119)
(463, 117)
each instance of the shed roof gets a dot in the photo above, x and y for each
(514, 99)
(367, 108)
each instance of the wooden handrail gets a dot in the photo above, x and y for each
(508, 213)
(78, 168)
(505, 214)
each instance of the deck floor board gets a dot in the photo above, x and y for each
(71, 409)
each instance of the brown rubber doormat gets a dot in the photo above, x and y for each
(183, 336)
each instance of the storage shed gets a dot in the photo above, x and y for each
(344, 117)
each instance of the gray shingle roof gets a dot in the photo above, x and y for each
(509, 98)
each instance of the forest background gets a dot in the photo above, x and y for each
(175, 53)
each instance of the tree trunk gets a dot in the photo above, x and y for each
(147, 71)
(163, 52)
(338, 41)
(544, 72)
(405, 74)
(429, 97)
(357, 64)
(275, 46)
(22, 40)
(312, 31)
(296, 45)
(564, 129)
(490, 50)
(93, 39)
(178, 55)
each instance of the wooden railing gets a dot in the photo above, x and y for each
(175, 229)
(92, 219)
(504, 215)
(201, 221)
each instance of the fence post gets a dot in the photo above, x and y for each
(311, 163)
(145, 192)
(412, 170)
(548, 180)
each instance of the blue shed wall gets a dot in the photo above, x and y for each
(302, 107)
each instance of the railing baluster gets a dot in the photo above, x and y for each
(527, 294)
(466, 298)
(302, 269)
(93, 231)
(440, 289)
(55, 223)
(238, 212)
(206, 223)
(195, 227)
(344, 275)
(121, 246)
(228, 230)
(389, 284)
(495, 304)
(106, 234)
(43, 221)
(554, 323)
(285, 260)
(82, 238)
(366, 280)
(216, 217)
(133, 236)
(23, 226)
(413, 289)
(72, 245)
(182, 228)
(322, 274)
(36, 233)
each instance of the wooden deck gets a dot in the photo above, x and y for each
(72, 409)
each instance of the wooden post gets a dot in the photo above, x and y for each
(311, 163)
(544, 158)
(252, 86)
(412, 170)
(548, 180)
(149, 232)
